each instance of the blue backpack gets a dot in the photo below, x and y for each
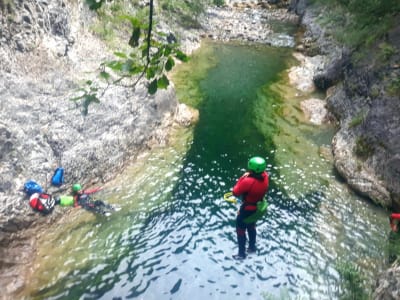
(31, 187)
(58, 177)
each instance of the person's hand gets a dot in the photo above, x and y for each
(394, 227)
(246, 174)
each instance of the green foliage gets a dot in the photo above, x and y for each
(363, 148)
(184, 12)
(6, 6)
(357, 120)
(374, 91)
(360, 22)
(352, 281)
(95, 4)
(111, 26)
(394, 87)
(393, 247)
(386, 51)
(219, 2)
(87, 97)
(145, 56)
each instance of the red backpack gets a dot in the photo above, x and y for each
(42, 202)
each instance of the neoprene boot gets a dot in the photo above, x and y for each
(252, 239)
(242, 247)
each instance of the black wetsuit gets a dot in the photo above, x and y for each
(97, 206)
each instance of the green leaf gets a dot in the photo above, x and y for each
(105, 75)
(152, 88)
(115, 65)
(163, 82)
(144, 52)
(150, 73)
(181, 56)
(135, 69)
(154, 61)
(169, 64)
(120, 54)
(134, 40)
(134, 21)
(167, 50)
(88, 99)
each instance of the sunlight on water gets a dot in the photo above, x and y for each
(174, 236)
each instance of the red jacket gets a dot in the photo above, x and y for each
(392, 217)
(252, 189)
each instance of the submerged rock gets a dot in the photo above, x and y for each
(301, 76)
(315, 110)
(388, 285)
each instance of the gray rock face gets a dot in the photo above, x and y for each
(247, 22)
(370, 121)
(387, 286)
(366, 102)
(366, 145)
(41, 128)
(45, 52)
(298, 6)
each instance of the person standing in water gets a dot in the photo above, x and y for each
(251, 188)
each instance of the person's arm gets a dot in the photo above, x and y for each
(92, 190)
(395, 216)
(241, 186)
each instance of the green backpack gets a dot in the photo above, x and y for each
(260, 212)
(66, 201)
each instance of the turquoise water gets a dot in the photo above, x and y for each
(175, 235)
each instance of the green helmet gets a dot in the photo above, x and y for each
(257, 164)
(76, 187)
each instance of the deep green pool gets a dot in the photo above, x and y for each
(174, 237)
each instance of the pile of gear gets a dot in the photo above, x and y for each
(44, 203)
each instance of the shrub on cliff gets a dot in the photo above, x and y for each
(150, 55)
(362, 21)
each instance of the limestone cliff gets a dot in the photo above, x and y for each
(46, 52)
(363, 94)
